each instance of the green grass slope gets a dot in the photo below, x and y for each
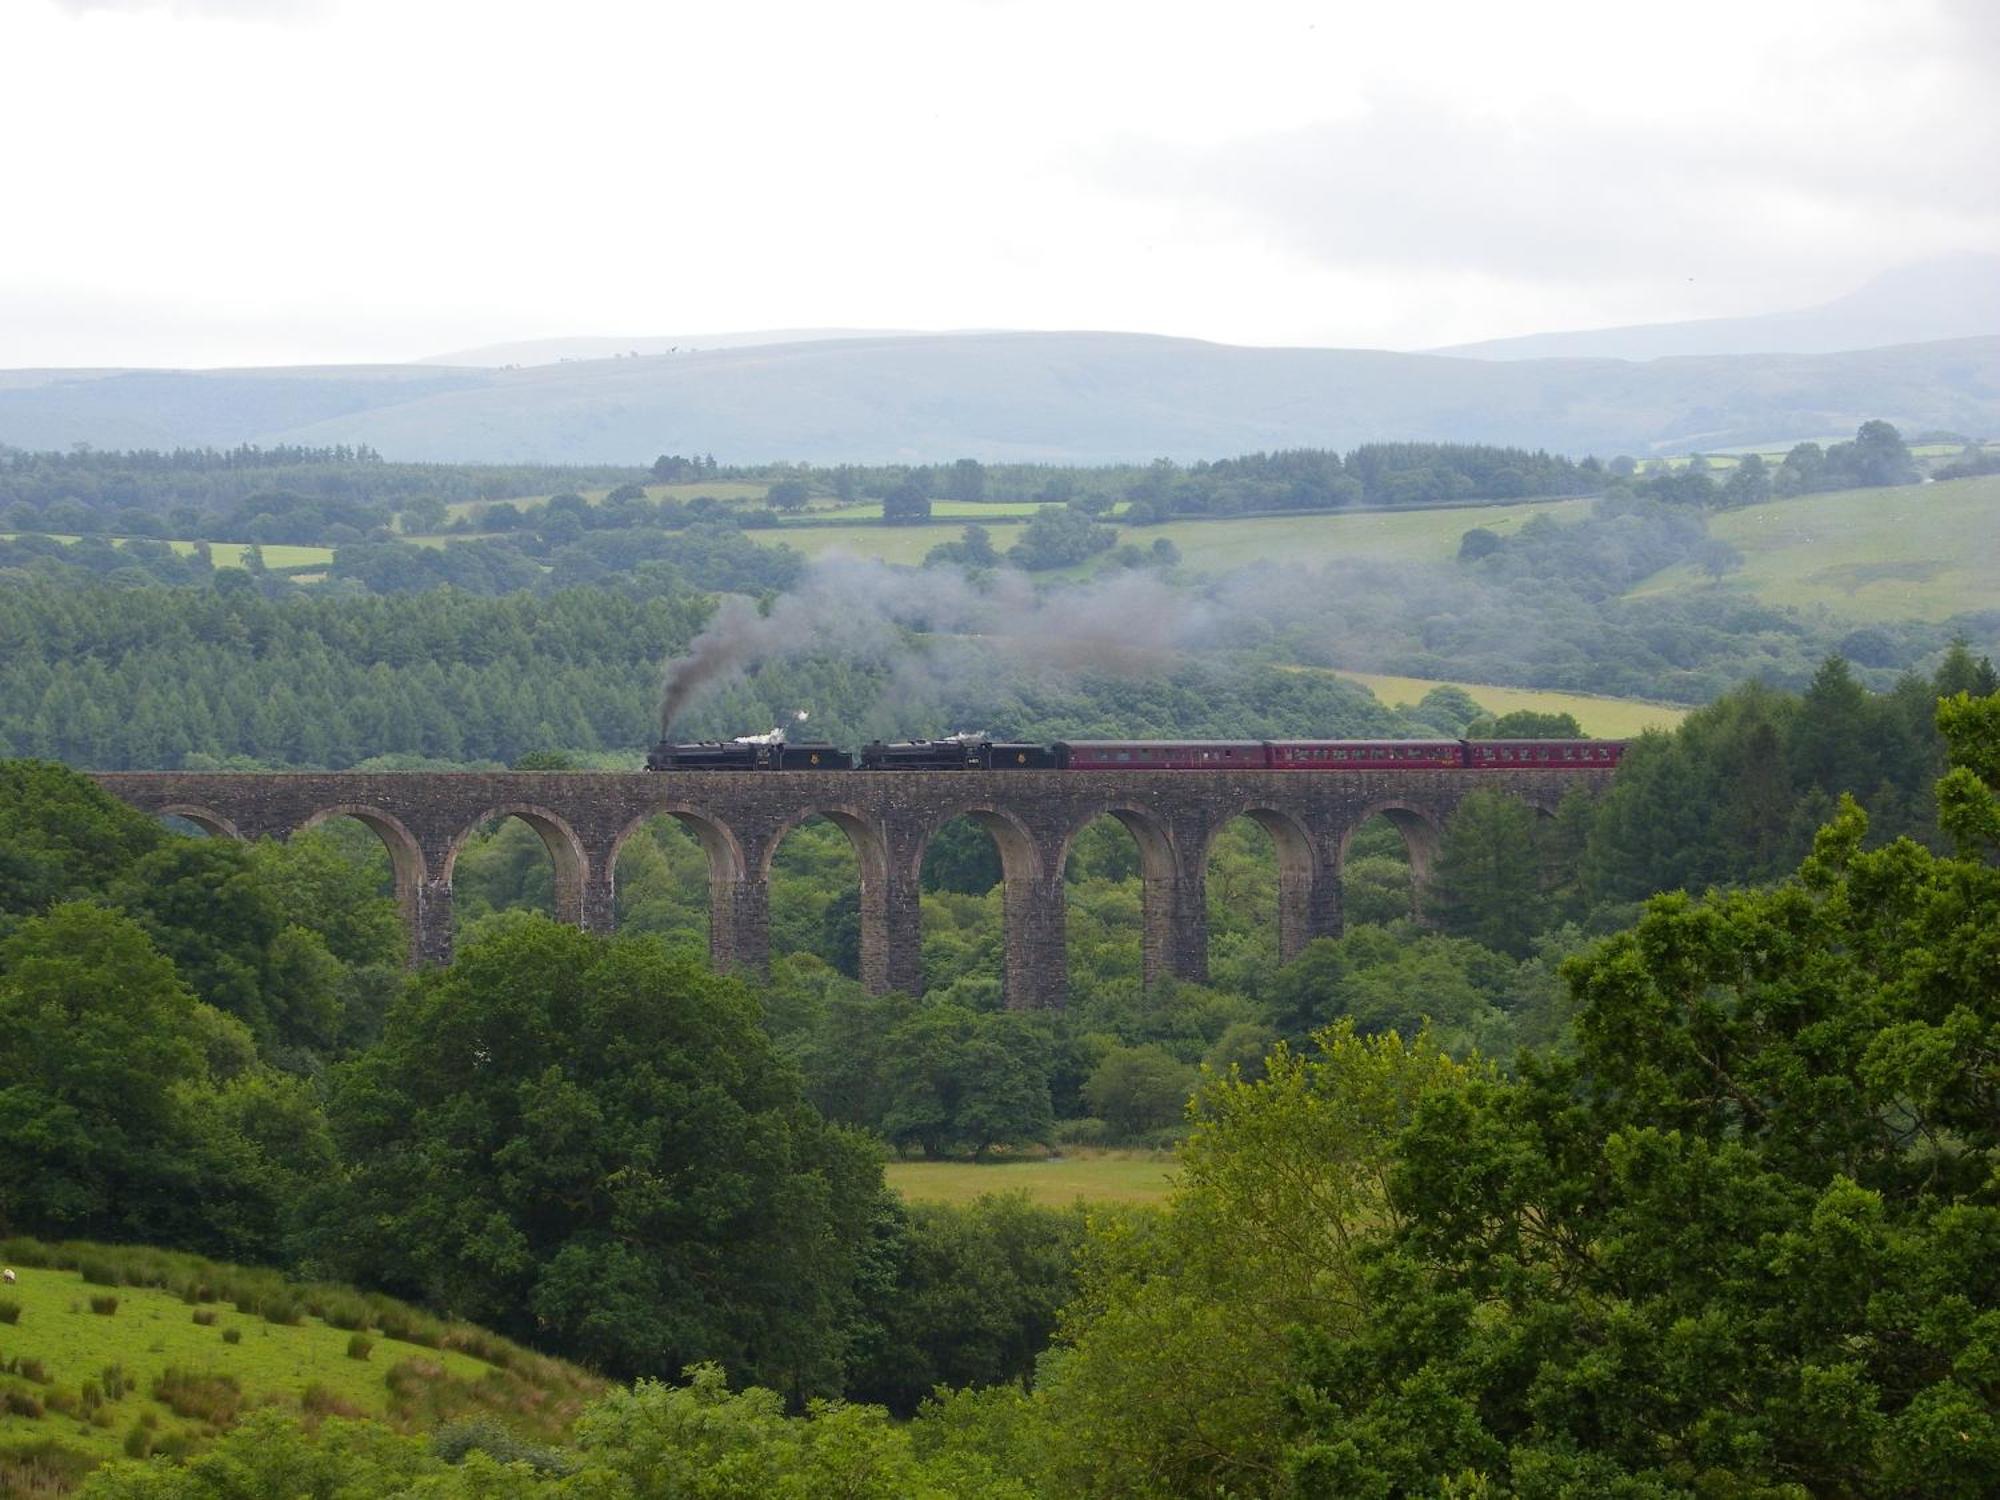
(1915, 552)
(1218, 545)
(1602, 717)
(112, 1350)
(1092, 1176)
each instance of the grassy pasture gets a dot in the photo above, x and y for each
(242, 1338)
(1916, 552)
(1094, 1176)
(227, 554)
(717, 489)
(966, 510)
(1605, 718)
(1397, 536)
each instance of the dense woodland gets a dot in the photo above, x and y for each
(332, 495)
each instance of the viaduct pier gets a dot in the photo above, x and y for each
(583, 818)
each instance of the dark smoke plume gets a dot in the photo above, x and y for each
(1127, 623)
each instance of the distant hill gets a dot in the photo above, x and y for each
(1953, 298)
(1071, 397)
(564, 350)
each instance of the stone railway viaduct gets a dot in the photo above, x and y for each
(425, 818)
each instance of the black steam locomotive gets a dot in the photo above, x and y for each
(960, 752)
(753, 752)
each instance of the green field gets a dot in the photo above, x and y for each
(1412, 535)
(228, 554)
(716, 489)
(1917, 552)
(968, 510)
(1602, 718)
(1094, 1176)
(57, 1357)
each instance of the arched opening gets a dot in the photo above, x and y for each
(1104, 872)
(1258, 880)
(514, 859)
(814, 873)
(1384, 861)
(962, 885)
(347, 870)
(197, 822)
(664, 877)
(352, 831)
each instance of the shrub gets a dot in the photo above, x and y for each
(21, 1404)
(286, 1312)
(453, 1441)
(199, 1395)
(346, 1313)
(10, 1310)
(115, 1382)
(104, 1306)
(360, 1346)
(401, 1323)
(100, 1272)
(138, 1443)
(205, 1316)
(1088, 1131)
(27, 1369)
(45, 1468)
(232, 1335)
(317, 1401)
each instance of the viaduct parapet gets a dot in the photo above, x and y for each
(425, 818)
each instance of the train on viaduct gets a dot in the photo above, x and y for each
(741, 817)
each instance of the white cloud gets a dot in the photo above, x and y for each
(400, 176)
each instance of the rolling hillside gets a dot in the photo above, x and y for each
(109, 1350)
(1077, 397)
(1916, 552)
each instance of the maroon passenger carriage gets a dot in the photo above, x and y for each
(1162, 755)
(1337, 755)
(1542, 755)
(1366, 755)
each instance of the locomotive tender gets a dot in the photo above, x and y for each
(972, 752)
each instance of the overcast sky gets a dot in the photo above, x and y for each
(206, 182)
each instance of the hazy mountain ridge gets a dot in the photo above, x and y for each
(1075, 397)
(1953, 298)
(551, 351)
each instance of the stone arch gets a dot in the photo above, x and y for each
(1020, 851)
(1288, 835)
(406, 855)
(566, 853)
(736, 910)
(1033, 943)
(1308, 907)
(210, 822)
(1173, 940)
(1158, 858)
(866, 835)
(1421, 829)
(718, 840)
(406, 858)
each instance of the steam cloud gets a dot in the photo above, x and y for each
(1126, 623)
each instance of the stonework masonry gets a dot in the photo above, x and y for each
(424, 819)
